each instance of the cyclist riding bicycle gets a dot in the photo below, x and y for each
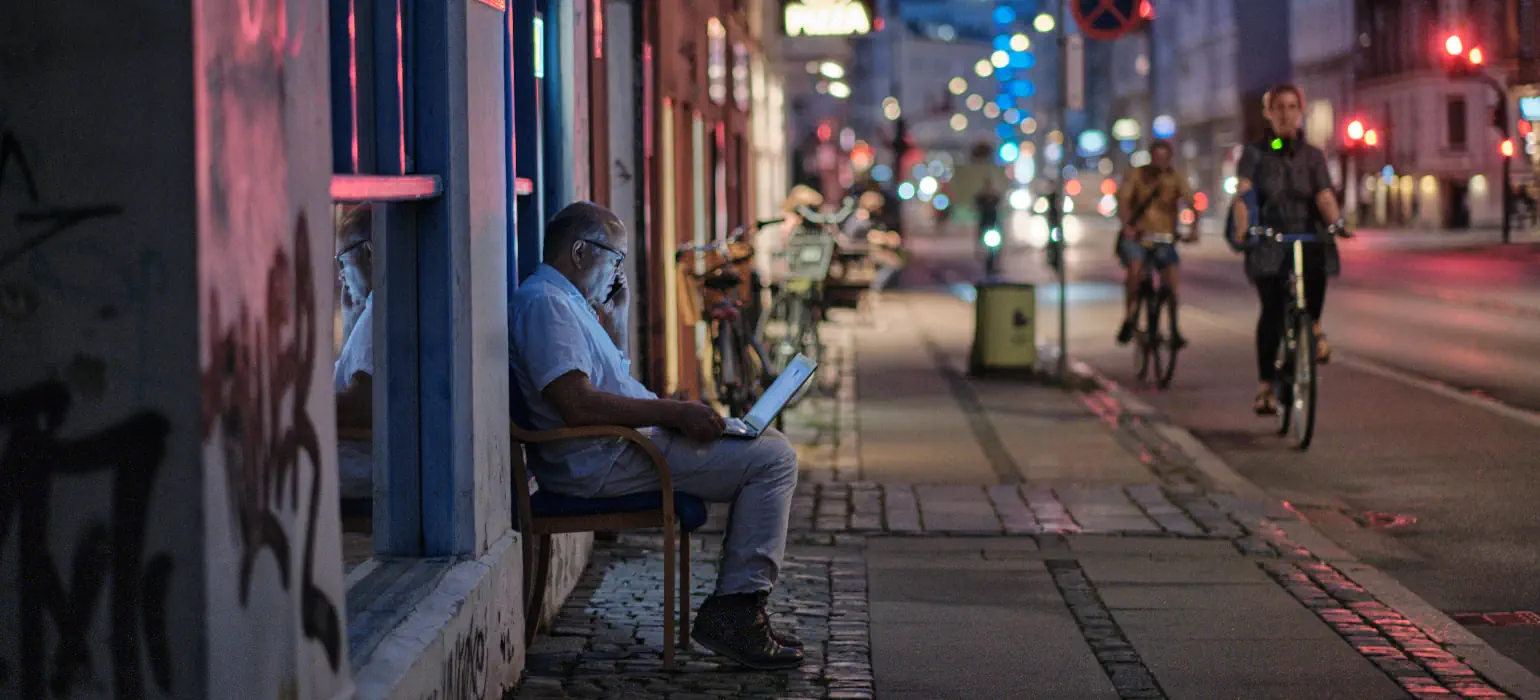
(1150, 200)
(1287, 181)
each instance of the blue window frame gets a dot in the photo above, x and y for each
(387, 57)
(526, 61)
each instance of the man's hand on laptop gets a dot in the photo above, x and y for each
(696, 421)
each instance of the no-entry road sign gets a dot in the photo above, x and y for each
(1106, 19)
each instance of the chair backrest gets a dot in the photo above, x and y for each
(518, 413)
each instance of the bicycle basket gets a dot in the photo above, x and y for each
(808, 256)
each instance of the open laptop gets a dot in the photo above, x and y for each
(797, 372)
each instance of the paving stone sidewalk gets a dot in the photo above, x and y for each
(1137, 580)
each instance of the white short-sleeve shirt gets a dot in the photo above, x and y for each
(553, 331)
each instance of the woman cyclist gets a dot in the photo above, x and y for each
(1292, 191)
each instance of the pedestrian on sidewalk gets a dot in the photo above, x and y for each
(567, 326)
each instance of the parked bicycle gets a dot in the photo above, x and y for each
(800, 305)
(1155, 347)
(1297, 360)
(740, 369)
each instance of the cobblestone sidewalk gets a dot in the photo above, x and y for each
(608, 640)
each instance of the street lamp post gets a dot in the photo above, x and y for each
(1469, 63)
(1357, 138)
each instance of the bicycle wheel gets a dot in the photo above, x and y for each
(724, 361)
(1283, 386)
(1155, 342)
(752, 377)
(1141, 339)
(1168, 343)
(783, 336)
(1303, 382)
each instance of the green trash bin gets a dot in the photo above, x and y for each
(1004, 329)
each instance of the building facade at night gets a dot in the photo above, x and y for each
(176, 344)
(1440, 165)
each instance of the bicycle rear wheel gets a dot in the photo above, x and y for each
(1303, 382)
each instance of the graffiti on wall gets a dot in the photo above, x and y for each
(255, 389)
(464, 673)
(107, 553)
(37, 221)
(57, 606)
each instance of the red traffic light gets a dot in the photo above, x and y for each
(1454, 45)
(1476, 56)
(1146, 10)
(1355, 129)
(1506, 148)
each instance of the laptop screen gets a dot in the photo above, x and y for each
(781, 391)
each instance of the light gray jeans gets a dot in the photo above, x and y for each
(756, 476)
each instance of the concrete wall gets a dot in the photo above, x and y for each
(165, 421)
(569, 557)
(99, 421)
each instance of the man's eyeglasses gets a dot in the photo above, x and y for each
(620, 255)
(365, 244)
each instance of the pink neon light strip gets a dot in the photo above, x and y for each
(385, 188)
(353, 75)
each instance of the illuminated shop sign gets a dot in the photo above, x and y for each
(827, 18)
(1529, 108)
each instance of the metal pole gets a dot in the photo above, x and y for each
(1507, 198)
(1058, 209)
(1502, 114)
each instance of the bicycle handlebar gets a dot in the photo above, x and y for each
(847, 208)
(1265, 233)
(738, 233)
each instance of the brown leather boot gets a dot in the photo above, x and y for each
(785, 638)
(737, 627)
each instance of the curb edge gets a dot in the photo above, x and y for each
(1501, 670)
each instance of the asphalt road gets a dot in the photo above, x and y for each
(1423, 326)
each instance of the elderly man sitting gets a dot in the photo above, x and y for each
(567, 327)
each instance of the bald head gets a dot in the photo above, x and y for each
(581, 221)
(587, 244)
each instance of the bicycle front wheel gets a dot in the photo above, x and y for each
(1303, 381)
(784, 334)
(1283, 373)
(1168, 344)
(1155, 342)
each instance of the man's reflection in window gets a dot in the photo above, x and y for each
(353, 375)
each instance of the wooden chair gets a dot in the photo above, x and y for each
(545, 514)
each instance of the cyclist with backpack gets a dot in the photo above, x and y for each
(1282, 183)
(1149, 202)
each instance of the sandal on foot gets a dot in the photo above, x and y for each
(1266, 404)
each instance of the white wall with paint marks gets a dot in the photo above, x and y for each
(273, 537)
(125, 525)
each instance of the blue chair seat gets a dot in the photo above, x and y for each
(689, 510)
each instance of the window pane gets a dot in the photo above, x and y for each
(1456, 117)
(353, 377)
